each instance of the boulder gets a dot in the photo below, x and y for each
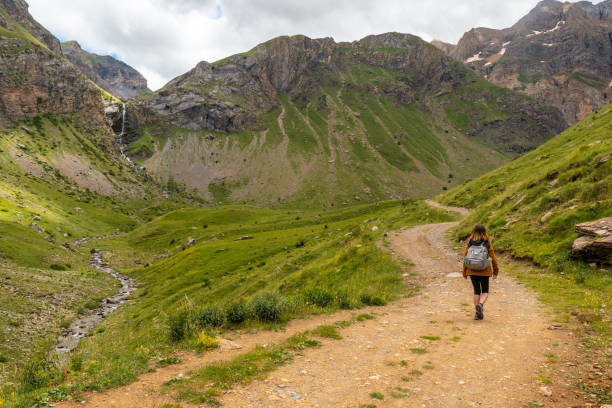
(601, 227)
(35, 227)
(596, 243)
(244, 238)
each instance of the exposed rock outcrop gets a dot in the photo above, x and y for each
(560, 53)
(17, 10)
(108, 73)
(445, 47)
(596, 243)
(34, 77)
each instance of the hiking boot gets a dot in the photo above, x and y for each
(476, 317)
(479, 311)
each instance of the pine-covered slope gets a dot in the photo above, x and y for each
(310, 120)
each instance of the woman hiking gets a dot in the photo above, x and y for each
(476, 265)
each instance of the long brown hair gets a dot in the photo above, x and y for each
(479, 233)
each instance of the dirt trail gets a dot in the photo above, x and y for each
(489, 363)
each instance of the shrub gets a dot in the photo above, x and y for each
(364, 316)
(178, 325)
(319, 297)
(268, 306)
(57, 267)
(237, 312)
(92, 304)
(343, 299)
(76, 363)
(371, 300)
(377, 395)
(38, 373)
(209, 316)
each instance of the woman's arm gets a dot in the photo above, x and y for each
(493, 260)
(464, 267)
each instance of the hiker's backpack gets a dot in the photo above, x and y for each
(477, 257)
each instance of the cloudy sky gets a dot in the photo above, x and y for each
(165, 38)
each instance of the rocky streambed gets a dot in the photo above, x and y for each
(69, 340)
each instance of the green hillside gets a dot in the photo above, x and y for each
(309, 122)
(532, 204)
(59, 183)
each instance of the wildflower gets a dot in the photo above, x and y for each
(206, 342)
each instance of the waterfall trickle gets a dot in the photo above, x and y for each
(120, 139)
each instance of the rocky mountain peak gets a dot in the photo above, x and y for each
(110, 74)
(17, 10)
(601, 11)
(35, 78)
(391, 40)
(559, 52)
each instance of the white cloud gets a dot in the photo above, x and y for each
(165, 38)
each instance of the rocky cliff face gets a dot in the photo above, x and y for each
(110, 74)
(445, 47)
(34, 77)
(230, 95)
(17, 10)
(560, 53)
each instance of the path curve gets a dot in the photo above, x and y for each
(459, 210)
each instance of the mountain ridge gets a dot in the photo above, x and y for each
(560, 53)
(389, 96)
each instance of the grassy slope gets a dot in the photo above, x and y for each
(44, 285)
(291, 252)
(532, 204)
(334, 150)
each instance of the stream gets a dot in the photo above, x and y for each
(79, 327)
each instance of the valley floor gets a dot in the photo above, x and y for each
(423, 351)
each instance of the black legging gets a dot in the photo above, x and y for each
(480, 283)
